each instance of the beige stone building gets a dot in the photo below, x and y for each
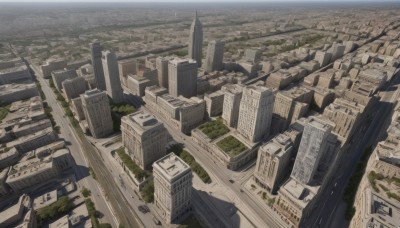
(173, 188)
(52, 65)
(72, 88)
(144, 138)
(214, 103)
(346, 115)
(97, 111)
(231, 105)
(182, 77)
(59, 76)
(255, 113)
(273, 162)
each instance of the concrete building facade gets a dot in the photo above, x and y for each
(173, 188)
(196, 41)
(273, 161)
(255, 113)
(96, 54)
(312, 148)
(231, 105)
(162, 71)
(215, 56)
(111, 76)
(97, 112)
(72, 88)
(144, 138)
(182, 75)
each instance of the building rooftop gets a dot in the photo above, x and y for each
(14, 210)
(45, 199)
(320, 124)
(10, 88)
(177, 61)
(63, 222)
(13, 69)
(171, 166)
(277, 146)
(30, 137)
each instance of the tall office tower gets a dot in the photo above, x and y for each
(97, 111)
(96, 50)
(255, 112)
(162, 71)
(313, 145)
(182, 75)
(215, 55)
(144, 138)
(111, 75)
(273, 162)
(173, 188)
(231, 105)
(196, 41)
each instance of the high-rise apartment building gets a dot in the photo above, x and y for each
(215, 55)
(196, 41)
(255, 113)
(313, 145)
(272, 162)
(182, 75)
(96, 49)
(231, 105)
(173, 188)
(144, 138)
(111, 75)
(97, 112)
(162, 71)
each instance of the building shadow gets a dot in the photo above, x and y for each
(215, 212)
(81, 172)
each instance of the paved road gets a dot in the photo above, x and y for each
(250, 206)
(89, 156)
(81, 170)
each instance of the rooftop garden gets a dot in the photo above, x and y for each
(214, 129)
(232, 146)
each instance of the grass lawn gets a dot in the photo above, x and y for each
(214, 129)
(231, 145)
(191, 222)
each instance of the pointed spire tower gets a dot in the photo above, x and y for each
(196, 40)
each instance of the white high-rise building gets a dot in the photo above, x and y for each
(173, 188)
(111, 75)
(255, 113)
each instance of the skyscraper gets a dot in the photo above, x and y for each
(162, 71)
(97, 112)
(313, 146)
(96, 50)
(215, 55)
(255, 113)
(173, 188)
(196, 40)
(182, 75)
(144, 138)
(111, 75)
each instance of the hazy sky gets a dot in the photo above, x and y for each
(198, 1)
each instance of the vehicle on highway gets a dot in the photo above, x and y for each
(241, 190)
(232, 181)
